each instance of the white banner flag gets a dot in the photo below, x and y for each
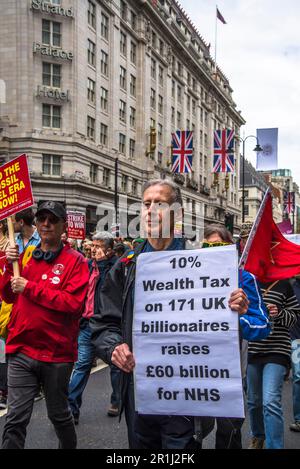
(268, 140)
(185, 337)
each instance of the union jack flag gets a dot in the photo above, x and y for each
(182, 151)
(289, 202)
(223, 145)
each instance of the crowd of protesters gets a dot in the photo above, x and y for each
(81, 300)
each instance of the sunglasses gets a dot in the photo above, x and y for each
(53, 219)
(213, 245)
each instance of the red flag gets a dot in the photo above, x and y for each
(268, 254)
(220, 17)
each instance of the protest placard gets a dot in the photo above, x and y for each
(185, 337)
(15, 187)
(76, 225)
(15, 194)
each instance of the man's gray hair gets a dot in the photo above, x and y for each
(177, 198)
(104, 236)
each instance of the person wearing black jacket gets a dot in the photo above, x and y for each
(102, 261)
(112, 323)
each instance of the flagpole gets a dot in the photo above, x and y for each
(216, 32)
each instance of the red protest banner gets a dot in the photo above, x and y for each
(15, 187)
(76, 225)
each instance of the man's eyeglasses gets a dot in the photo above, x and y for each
(205, 244)
(53, 219)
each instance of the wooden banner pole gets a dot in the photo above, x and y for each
(11, 234)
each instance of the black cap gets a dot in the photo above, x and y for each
(53, 207)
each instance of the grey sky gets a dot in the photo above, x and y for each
(259, 51)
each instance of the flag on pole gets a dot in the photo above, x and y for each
(182, 151)
(268, 140)
(289, 202)
(220, 17)
(223, 151)
(268, 254)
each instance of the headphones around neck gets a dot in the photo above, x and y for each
(48, 256)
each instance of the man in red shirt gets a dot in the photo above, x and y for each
(42, 333)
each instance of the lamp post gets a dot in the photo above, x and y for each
(256, 149)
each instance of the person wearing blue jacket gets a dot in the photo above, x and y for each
(254, 325)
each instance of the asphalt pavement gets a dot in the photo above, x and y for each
(97, 430)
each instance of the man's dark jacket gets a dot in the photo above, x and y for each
(111, 324)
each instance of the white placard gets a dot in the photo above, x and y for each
(185, 337)
(294, 238)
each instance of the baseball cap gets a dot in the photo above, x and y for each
(53, 207)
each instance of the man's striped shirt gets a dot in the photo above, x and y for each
(276, 348)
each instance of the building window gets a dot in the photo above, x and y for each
(91, 53)
(122, 143)
(173, 115)
(188, 124)
(93, 173)
(51, 33)
(173, 88)
(106, 177)
(134, 186)
(123, 43)
(91, 91)
(246, 210)
(160, 104)
(188, 79)
(124, 183)
(179, 96)
(104, 26)
(51, 75)
(52, 165)
(132, 117)
(178, 120)
(104, 63)
(122, 111)
(133, 20)
(160, 75)
(103, 134)
(152, 98)
(160, 133)
(123, 78)
(131, 148)
(133, 52)
(188, 103)
(91, 14)
(154, 40)
(159, 158)
(152, 123)
(123, 10)
(104, 99)
(51, 116)
(179, 69)
(90, 128)
(153, 69)
(132, 85)
(161, 47)
(193, 107)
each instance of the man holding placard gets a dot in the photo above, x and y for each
(48, 296)
(113, 321)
